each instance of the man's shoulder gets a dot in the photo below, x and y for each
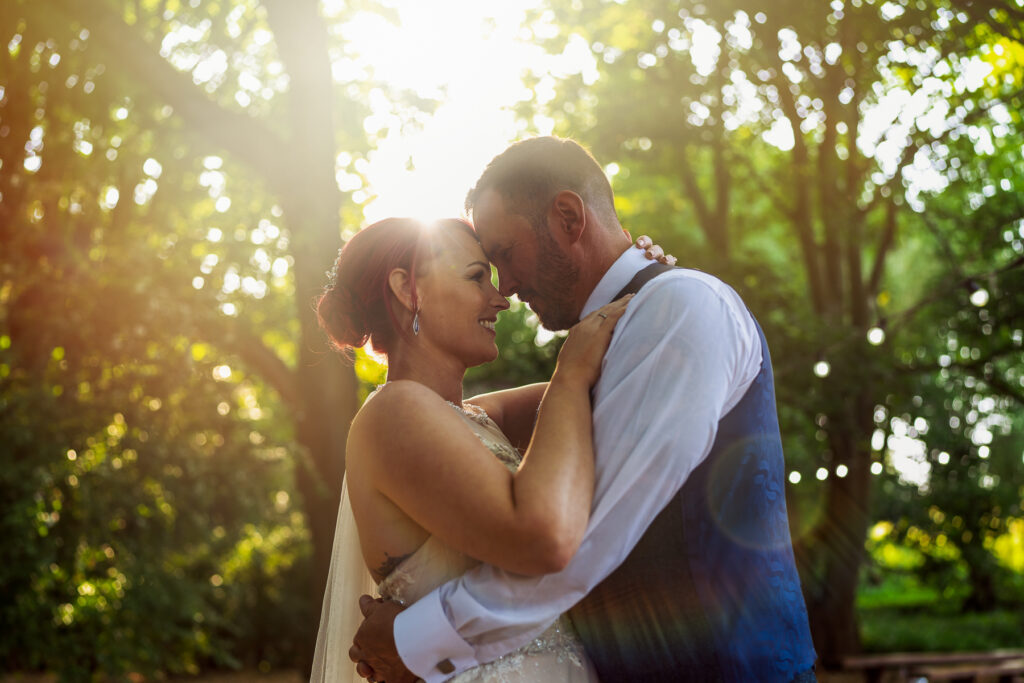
(692, 303)
(689, 309)
(695, 286)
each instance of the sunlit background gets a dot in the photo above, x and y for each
(176, 177)
(470, 56)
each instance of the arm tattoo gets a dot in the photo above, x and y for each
(389, 565)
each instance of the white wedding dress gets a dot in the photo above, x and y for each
(555, 656)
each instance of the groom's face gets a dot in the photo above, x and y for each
(530, 262)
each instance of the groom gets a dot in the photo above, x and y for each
(686, 572)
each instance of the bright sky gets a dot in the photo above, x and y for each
(473, 55)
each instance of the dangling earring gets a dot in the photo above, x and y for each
(416, 322)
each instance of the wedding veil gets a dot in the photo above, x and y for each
(348, 579)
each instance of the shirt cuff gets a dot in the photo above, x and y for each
(428, 644)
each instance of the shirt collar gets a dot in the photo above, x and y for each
(629, 263)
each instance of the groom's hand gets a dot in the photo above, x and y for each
(373, 648)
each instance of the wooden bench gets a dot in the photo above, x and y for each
(904, 666)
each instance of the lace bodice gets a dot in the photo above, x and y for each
(555, 655)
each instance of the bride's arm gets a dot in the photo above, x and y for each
(513, 410)
(410, 446)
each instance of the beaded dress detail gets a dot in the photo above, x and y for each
(555, 655)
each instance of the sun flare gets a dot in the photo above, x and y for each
(470, 58)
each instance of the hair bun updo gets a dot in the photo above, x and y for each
(356, 305)
(342, 317)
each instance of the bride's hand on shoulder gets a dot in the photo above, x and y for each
(654, 252)
(581, 354)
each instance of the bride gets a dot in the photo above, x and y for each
(434, 484)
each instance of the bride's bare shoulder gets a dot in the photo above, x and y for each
(402, 394)
(409, 426)
(397, 403)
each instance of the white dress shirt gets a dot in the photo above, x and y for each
(682, 356)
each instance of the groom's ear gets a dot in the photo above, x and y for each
(400, 283)
(570, 215)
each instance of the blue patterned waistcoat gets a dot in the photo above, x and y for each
(711, 591)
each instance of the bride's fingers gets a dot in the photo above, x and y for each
(610, 313)
(618, 308)
(653, 252)
(656, 253)
(588, 341)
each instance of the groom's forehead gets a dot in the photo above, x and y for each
(490, 233)
(495, 239)
(494, 218)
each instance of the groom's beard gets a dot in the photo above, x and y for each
(555, 282)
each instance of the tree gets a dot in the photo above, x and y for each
(171, 173)
(966, 369)
(769, 127)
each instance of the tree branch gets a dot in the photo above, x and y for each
(723, 187)
(904, 316)
(721, 165)
(242, 136)
(802, 220)
(302, 44)
(1014, 14)
(890, 187)
(947, 250)
(912, 147)
(230, 336)
(995, 380)
(854, 274)
(696, 195)
(831, 212)
(885, 243)
(782, 205)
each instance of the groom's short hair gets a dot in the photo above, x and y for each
(531, 172)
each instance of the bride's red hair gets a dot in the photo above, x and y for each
(356, 305)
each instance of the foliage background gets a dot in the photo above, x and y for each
(176, 177)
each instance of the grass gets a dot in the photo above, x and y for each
(898, 591)
(899, 612)
(900, 630)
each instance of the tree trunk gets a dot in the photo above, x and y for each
(838, 549)
(298, 167)
(312, 202)
(981, 568)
